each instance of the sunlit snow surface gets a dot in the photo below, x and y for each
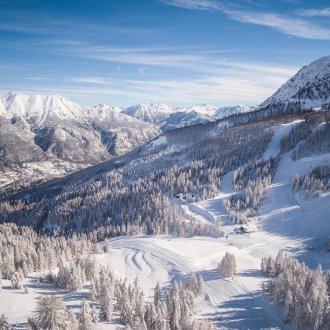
(284, 221)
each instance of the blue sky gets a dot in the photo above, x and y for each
(184, 52)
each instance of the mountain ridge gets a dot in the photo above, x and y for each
(309, 88)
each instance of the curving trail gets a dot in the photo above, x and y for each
(164, 259)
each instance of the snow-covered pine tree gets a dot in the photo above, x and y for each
(106, 247)
(52, 313)
(86, 320)
(157, 295)
(16, 281)
(73, 321)
(227, 267)
(288, 307)
(4, 324)
(193, 284)
(94, 291)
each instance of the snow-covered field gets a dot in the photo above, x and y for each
(284, 221)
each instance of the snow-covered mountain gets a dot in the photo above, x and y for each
(170, 117)
(119, 132)
(202, 109)
(152, 112)
(224, 112)
(185, 118)
(103, 108)
(308, 89)
(63, 131)
(39, 109)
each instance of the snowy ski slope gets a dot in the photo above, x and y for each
(284, 221)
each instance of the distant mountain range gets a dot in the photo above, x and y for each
(61, 135)
(170, 117)
(45, 136)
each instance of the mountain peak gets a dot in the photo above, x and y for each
(309, 88)
(39, 108)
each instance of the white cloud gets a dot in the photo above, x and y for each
(92, 80)
(195, 4)
(218, 90)
(325, 12)
(142, 70)
(192, 60)
(287, 25)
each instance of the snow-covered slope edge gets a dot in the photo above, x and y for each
(308, 89)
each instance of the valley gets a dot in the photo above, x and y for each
(284, 222)
(165, 212)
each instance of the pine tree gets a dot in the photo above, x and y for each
(4, 324)
(52, 313)
(126, 312)
(95, 315)
(175, 316)
(288, 308)
(94, 290)
(279, 262)
(193, 284)
(74, 324)
(106, 305)
(318, 298)
(187, 304)
(157, 295)
(16, 281)
(86, 320)
(227, 267)
(151, 317)
(201, 284)
(106, 247)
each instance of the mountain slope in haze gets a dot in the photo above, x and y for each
(151, 113)
(119, 133)
(185, 118)
(224, 112)
(71, 132)
(169, 117)
(16, 146)
(308, 89)
(61, 130)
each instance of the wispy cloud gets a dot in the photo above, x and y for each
(325, 12)
(92, 80)
(46, 23)
(285, 24)
(218, 90)
(195, 4)
(142, 70)
(36, 78)
(193, 60)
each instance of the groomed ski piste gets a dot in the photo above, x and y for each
(285, 220)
